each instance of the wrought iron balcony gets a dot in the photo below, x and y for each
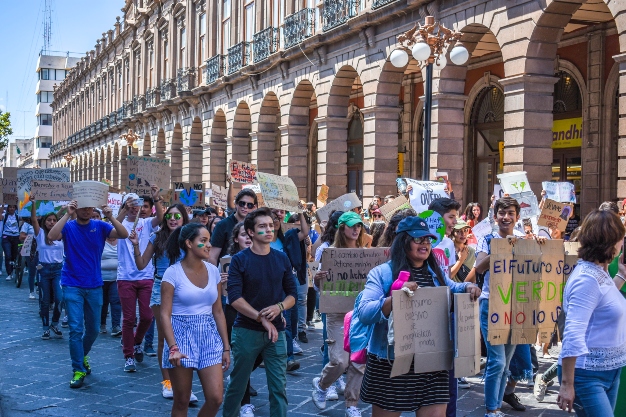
(266, 43)
(185, 79)
(239, 56)
(112, 119)
(152, 97)
(98, 127)
(128, 109)
(120, 114)
(215, 67)
(299, 26)
(337, 12)
(380, 3)
(92, 129)
(168, 89)
(139, 104)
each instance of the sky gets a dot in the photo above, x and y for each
(76, 25)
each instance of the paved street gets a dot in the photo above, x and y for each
(36, 374)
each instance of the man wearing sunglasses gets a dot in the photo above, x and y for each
(245, 202)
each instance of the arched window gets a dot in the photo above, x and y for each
(355, 154)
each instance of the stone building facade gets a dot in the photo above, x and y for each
(304, 88)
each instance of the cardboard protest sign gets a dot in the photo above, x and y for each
(219, 196)
(288, 226)
(421, 326)
(114, 200)
(563, 192)
(500, 283)
(524, 292)
(26, 176)
(514, 182)
(552, 280)
(189, 194)
(346, 202)
(425, 192)
(435, 223)
(27, 245)
(50, 191)
(145, 171)
(322, 197)
(242, 172)
(90, 193)
(571, 259)
(555, 214)
(347, 272)
(392, 207)
(466, 336)
(9, 185)
(312, 268)
(279, 192)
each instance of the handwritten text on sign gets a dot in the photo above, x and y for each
(26, 176)
(421, 326)
(554, 214)
(90, 193)
(279, 192)
(51, 190)
(242, 172)
(219, 196)
(425, 192)
(526, 289)
(144, 171)
(188, 194)
(347, 273)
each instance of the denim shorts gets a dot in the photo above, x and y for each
(155, 297)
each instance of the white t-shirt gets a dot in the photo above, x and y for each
(188, 298)
(485, 247)
(49, 254)
(445, 254)
(127, 269)
(28, 229)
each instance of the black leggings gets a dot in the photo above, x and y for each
(9, 247)
(311, 299)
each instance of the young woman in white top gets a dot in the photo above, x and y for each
(193, 321)
(594, 340)
(51, 261)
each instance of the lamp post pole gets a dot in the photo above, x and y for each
(428, 111)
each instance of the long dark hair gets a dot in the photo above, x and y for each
(42, 224)
(176, 241)
(234, 248)
(399, 262)
(376, 230)
(160, 240)
(331, 229)
(390, 231)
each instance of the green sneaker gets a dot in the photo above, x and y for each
(86, 364)
(78, 379)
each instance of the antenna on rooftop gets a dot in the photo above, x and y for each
(47, 25)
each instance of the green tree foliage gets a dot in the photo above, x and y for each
(5, 129)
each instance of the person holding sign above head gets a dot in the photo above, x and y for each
(349, 235)
(506, 214)
(51, 261)
(81, 278)
(594, 340)
(259, 327)
(134, 285)
(426, 394)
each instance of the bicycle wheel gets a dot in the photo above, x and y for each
(19, 270)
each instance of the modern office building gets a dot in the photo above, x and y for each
(305, 88)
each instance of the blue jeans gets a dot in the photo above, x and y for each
(498, 359)
(31, 263)
(521, 366)
(149, 337)
(291, 329)
(595, 391)
(301, 305)
(49, 281)
(83, 307)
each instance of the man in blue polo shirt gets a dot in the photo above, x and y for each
(81, 278)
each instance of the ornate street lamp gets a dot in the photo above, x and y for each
(428, 44)
(130, 139)
(69, 158)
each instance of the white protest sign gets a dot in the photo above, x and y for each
(529, 206)
(26, 176)
(28, 243)
(425, 192)
(562, 192)
(279, 192)
(514, 182)
(219, 194)
(115, 202)
(482, 229)
(91, 193)
(346, 202)
(51, 190)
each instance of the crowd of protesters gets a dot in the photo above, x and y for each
(229, 291)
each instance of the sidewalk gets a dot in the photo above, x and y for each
(36, 375)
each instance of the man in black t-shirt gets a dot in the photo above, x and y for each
(259, 327)
(245, 202)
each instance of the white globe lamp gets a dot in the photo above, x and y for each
(123, 142)
(440, 63)
(421, 51)
(459, 55)
(399, 58)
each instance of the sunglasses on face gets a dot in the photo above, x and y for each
(426, 240)
(176, 216)
(243, 204)
(378, 216)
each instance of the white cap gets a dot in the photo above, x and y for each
(130, 196)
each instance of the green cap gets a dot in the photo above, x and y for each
(349, 218)
(460, 224)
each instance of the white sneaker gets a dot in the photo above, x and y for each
(8, 278)
(297, 350)
(540, 388)
(193, 398)
(341, 385)
(495, 414)
(319, 395)
(247, 410)
(353, 412)
(167, 389)
(227, 380)
(462, 383)
(331, 393)
(32, 296)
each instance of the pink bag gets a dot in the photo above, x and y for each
(359, 357)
